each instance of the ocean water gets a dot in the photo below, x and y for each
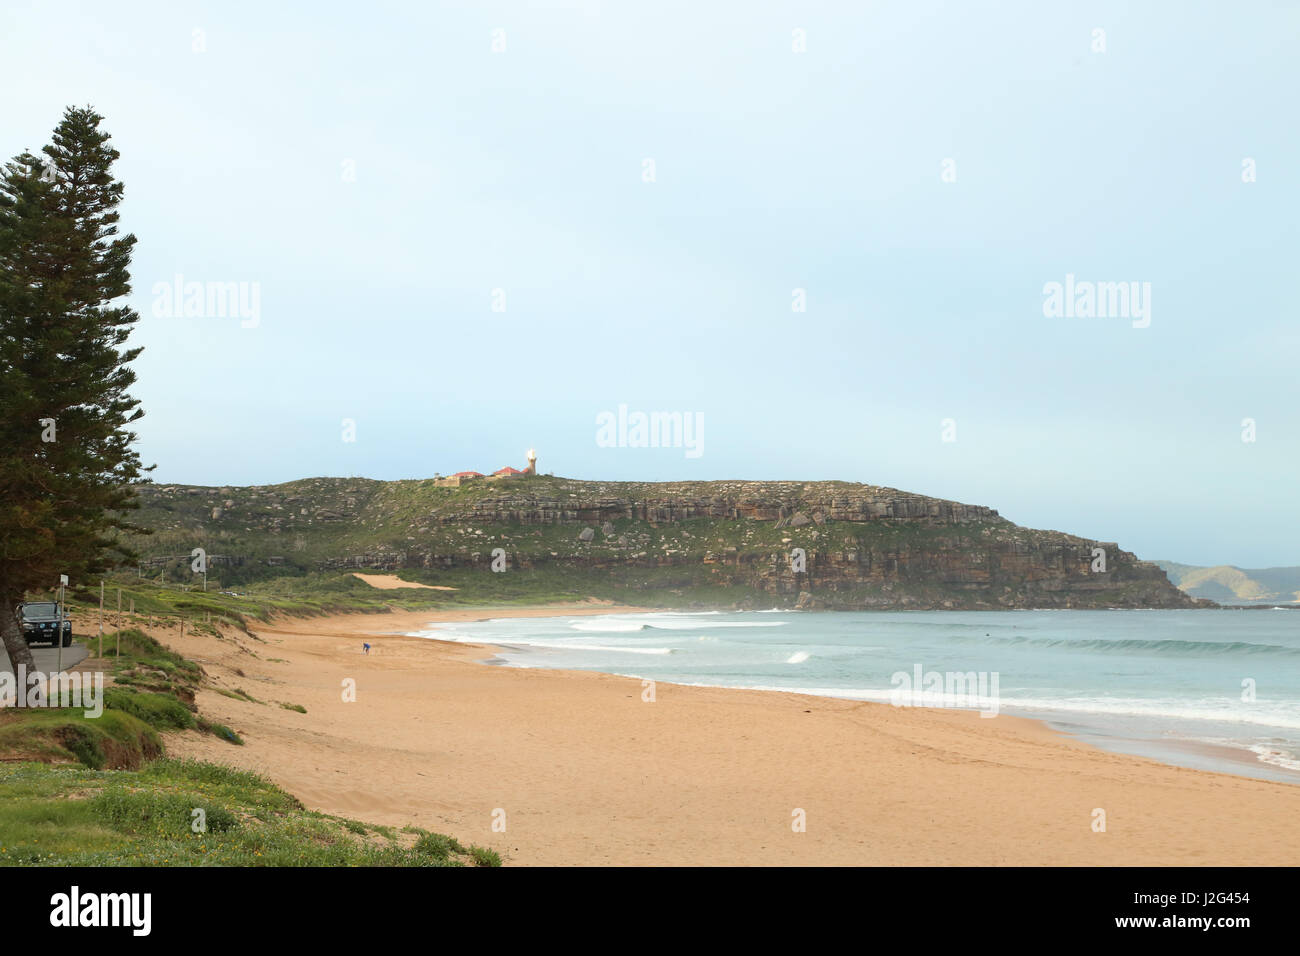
(1216, 690)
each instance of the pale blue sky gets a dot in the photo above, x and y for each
(522, 170)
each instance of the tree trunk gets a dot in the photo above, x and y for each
(12, 632)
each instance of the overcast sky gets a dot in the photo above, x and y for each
(382, 176)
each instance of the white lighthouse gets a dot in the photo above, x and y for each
(532, 463)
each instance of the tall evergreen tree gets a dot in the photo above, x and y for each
(66, 462)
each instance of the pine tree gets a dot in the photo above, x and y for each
(66, 463)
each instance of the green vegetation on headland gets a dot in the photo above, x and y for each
(78, 790)
(542, 538)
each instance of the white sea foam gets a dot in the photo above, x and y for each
(1278, 758)
(608, 627)
(696, 625)
(668, 614)
(1265, 752)
(798, 657)
(1225, 710)
(582, 648)
(1180, 710)
(524, 640)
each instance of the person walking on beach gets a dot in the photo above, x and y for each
(365, 648)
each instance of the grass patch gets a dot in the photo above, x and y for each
(219, 730)
(133, 647)
(484, 857)
(236, 693)
(137, 660)
(438, 846)
(115, 739)
(160, 711)
(189, 813)
(299, 708)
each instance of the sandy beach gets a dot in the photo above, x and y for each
(588, 773)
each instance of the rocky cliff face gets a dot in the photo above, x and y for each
(812, 544)
(778, 501)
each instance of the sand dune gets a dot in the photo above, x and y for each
(589, 773)
(391, 582)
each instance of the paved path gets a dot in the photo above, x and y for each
(46, 658)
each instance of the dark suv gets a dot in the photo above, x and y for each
(41, 623)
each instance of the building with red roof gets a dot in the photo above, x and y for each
(456, 480)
